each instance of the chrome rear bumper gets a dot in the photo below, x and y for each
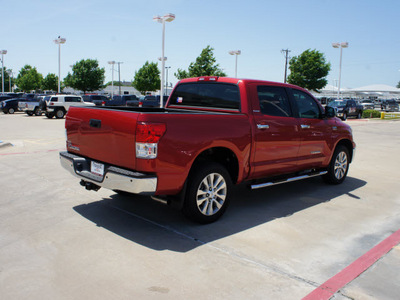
(114, 178)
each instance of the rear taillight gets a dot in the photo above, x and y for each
(149, 132)
(140, 103)
(147, 137)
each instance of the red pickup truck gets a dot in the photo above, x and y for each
(214, 132)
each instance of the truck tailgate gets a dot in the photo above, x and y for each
(102, 134)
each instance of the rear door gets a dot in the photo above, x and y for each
(277, 140)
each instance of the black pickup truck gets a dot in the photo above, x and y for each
(347, 108)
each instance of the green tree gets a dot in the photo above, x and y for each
(309, 70)
(147, 78)
(50, 82)
(7, 79)
(86, 76)
(29, 79)
(205, 65)
(398, 85)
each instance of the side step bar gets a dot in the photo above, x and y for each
(280, 181)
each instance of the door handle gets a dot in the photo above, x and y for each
(262, 126)
(305, 126)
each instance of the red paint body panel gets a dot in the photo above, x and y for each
(283, 148)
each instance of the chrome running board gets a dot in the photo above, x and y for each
(280, 181)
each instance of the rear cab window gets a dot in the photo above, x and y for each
(207, 95)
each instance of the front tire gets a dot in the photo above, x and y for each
(11, 110)
(339, 166)
(344, 118)
(208, 193)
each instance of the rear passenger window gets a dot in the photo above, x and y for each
(307, 106)
(72, 99)
(274, 101)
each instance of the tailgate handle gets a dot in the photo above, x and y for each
(95, 123)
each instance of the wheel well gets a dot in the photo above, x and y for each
(349, 146)
(220, 155)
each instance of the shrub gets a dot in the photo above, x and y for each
(371, 113)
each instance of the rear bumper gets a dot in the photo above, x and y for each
(114, 178)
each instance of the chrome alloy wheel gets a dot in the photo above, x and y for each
(341, 165)
(211, 194)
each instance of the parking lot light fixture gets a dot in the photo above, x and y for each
(112, 63)
(59, 41)
(341, 46)
(235, 52)
(2, 69)
(162, 20)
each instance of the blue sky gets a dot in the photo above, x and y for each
(124, 31)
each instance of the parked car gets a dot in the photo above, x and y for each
(5, 97)
(123, 100)
(9, 106)
(213, 133)
(152, 101)
(367, 104)
(347, 108)
(33, 106)
(59, 105)
(390, 105)
(98, 100)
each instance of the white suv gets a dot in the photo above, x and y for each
(58, 105)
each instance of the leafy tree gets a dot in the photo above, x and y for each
(309, 70)
(205, 65)
(50, 82)
(86, 76)
(7, 79)
(29, 79)
(147, 78)
(398, 85)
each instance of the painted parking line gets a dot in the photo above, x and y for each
(348, 274)
(32, 152)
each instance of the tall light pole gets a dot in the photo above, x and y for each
(162, 20)
(112, 63)
(341, 46)
(235, 52)
(119, 75)
(2, 69)
(166, 84)
(59, 41)
(286, 51)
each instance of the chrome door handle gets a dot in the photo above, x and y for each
(305, 126)
(261, 126)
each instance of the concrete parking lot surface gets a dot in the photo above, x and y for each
(59, 241)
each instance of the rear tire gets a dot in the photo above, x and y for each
(11, 110)
(208, 193)
(60, 114)
(38, 112)
(339, 166)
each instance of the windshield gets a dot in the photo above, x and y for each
(337, 103)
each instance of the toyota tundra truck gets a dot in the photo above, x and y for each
(214, 132)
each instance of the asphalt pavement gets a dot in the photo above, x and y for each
(302, 239)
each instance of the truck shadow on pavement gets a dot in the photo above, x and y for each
(160, 227)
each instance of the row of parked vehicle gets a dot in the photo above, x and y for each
(58, 105)
(354, 108)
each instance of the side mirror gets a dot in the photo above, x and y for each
(330, 112)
